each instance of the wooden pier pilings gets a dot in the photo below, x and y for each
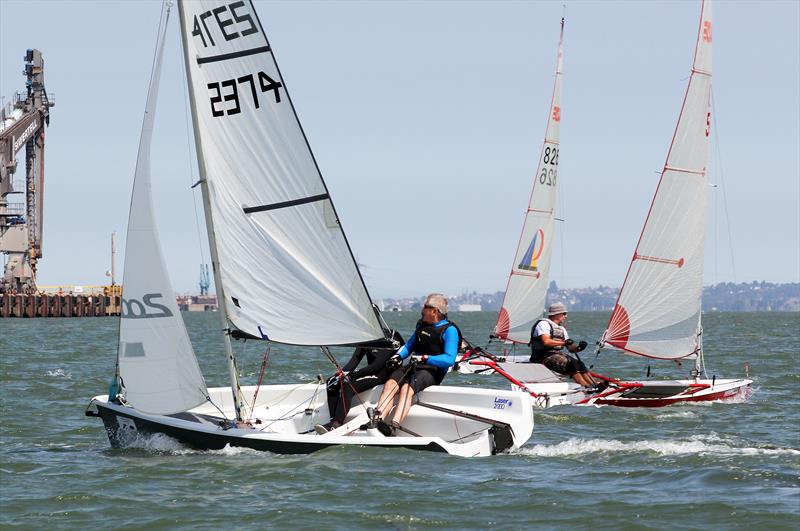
(48, 305)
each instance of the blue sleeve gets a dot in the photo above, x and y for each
(448, 358)
(406, 349)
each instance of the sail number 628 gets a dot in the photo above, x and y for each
(549, 166)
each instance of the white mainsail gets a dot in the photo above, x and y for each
(527, 285)
(658, 311)
(157, 365)
(286, 269)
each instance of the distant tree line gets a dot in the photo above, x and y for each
(724, 297)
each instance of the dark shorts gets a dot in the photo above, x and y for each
(563, 364)
(417, 377)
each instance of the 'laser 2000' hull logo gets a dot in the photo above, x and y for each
(501, 403)
(534, 252)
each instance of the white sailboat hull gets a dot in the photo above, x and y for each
(459, 421)
(547, 389)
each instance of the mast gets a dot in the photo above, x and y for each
(238, 401)
(113, 258)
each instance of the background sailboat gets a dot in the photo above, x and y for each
(283, 270)
(526, 291)
(658, 312)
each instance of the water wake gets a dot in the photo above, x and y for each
(699, 445)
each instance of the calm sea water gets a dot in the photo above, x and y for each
(712, 466)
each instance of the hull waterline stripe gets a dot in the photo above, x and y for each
(284, 204)
(233, 55)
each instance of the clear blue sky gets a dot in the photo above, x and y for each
(426, 119)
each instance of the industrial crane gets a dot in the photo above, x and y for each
(22, 124)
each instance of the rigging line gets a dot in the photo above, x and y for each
(722, 182)
(264, 363)
(187, 119)
(340, 372)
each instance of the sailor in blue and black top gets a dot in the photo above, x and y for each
(432, 348)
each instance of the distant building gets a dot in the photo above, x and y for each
(197, 303)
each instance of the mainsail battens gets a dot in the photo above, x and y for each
(284, 204)
(526, 290)
(292, 271)
(684, 170)
(232, 55)
(657, 314)
(525, 273)
(679, 262)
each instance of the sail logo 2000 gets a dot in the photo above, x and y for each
(135, 309)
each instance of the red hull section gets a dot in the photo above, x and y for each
(661, 402)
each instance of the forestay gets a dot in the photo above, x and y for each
(658, 311)
(157, 365)
(527, 285)
(287, 272)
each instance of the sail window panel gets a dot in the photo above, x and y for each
(132, 350)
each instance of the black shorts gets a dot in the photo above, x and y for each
(417, 377)
(563, 364)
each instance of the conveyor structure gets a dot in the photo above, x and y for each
(22, 124)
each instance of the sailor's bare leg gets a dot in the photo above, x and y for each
(403, 405)
(384, 406)
(584, 379)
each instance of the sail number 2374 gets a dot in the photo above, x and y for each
(228, 91)
(549, 166)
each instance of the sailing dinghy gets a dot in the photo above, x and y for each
(526, 291)
(658, 312)
(275, 240)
